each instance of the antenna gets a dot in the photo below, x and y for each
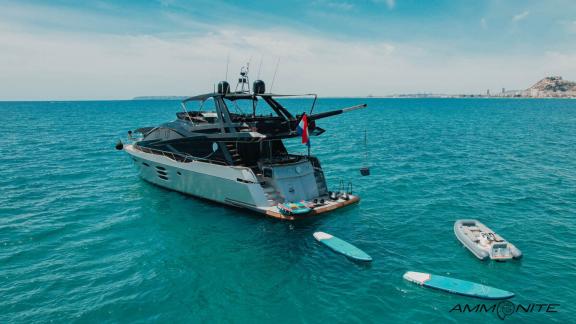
(274, 78)
(244, 81)
(260, 67)
(227, 63)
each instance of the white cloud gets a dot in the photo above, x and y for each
(166, 3)
(96, 66)
(390, 3)
(74, 64)
(560, 62)
(68, 66)
(521, 16)
(570, 26)
(104, 5)
(338, 5)
(483, 23)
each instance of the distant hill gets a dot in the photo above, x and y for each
(552, 86)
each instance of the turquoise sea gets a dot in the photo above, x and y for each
(83, 239)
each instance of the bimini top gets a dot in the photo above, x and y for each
(241, 95)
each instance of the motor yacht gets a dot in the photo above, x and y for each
(228, 147)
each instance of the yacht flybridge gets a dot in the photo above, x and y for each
(228, 147)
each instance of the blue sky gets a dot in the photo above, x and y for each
(101, 49)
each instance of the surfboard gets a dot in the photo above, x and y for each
(342, 247)
(457, 286)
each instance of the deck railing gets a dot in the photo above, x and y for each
(178, 157)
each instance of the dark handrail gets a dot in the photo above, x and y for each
(184, 158)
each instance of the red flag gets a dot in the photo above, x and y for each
(303, 129)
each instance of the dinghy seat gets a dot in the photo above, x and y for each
(498, 238)
(473, 236)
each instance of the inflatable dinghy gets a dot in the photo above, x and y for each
(483, 242)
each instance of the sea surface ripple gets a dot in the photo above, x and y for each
(83, 239)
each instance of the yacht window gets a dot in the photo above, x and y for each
(207, 105)
(247, 107)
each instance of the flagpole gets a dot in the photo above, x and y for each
(302, 129)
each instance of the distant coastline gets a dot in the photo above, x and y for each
(400, 96)
(552, 87)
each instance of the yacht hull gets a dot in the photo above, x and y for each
(234, 186)
(230, 185)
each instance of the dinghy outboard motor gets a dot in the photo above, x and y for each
(223, 87)
(259, 87)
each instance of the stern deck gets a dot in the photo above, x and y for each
(329, 206)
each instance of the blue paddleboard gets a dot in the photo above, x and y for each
(342, 247)
(457, 286)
